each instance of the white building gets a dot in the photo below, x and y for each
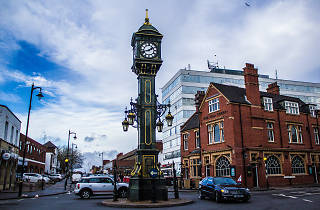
(52, 165)
(10, 126)
(182, 87)
(9, 147)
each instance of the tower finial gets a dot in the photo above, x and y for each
(146, 20)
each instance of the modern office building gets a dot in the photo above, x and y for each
(182, 87)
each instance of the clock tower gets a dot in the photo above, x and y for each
(146, 44)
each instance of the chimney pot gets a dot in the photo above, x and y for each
(273, 88)
(252, 84)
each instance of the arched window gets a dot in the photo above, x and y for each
(222, 166)
(297, 165)
(273, 165)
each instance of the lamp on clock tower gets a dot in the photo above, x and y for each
(144, 113)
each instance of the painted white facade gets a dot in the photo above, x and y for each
(52, 163)
(10, 126)
(182, 87)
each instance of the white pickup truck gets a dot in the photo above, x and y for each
(99, 185)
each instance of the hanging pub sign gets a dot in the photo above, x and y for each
(233, 171)
(6, 156)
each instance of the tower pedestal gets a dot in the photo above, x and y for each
(141, 189)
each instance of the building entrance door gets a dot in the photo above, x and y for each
(255, 175)
(315, 173)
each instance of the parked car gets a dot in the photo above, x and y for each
(76, 177)
(99, 185)
(222, 188)
(32, 177)
(56, 177)
(46, 178)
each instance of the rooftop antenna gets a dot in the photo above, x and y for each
(276, 74)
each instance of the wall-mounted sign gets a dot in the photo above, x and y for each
(6, 156)
(233, 171)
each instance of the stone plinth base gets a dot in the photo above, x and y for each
(142, 189)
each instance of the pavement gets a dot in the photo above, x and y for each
(56, 189)
(124, 203)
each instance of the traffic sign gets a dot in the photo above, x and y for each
(153, 173)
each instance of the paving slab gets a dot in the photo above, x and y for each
(124, 203)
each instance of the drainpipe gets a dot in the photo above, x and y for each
(200, 147)
(281, 143)
(311, 147)
(242, 150)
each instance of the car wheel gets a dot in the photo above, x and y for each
(123, 192)
(202, 196)
(85, 194)
(217, 197)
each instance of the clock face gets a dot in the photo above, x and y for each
(148, 50)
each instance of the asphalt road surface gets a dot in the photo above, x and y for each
(291, 199)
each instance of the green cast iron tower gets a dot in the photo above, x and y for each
(146, 44)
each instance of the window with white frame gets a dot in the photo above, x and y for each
(267, 104)
(316, 135)
(185, 141)
(216, 132)
(11, 135)
(214, 105)
(273, 165)
(312, 109)
(6, 130)
(295, 133)
(222, 166)
(197, 139)
(297, 165)
(291, 107)
(270, 132)
(17, 133)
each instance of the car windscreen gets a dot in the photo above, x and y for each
(224, 181)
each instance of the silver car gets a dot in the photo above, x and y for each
(99, 185)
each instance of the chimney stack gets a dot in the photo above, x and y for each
(273, 88)
(198, 99)
(252, 84)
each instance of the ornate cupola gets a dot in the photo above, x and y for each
(146, 44)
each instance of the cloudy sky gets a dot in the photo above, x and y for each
(79, 52)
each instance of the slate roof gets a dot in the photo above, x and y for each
(49, 144)
(237, 95)
(192, 123)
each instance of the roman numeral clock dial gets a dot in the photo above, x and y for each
(148, 50)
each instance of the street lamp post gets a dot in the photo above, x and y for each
(25, 141)
(101, 154)
(72, 160)
(67, 158)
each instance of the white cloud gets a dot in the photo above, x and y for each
(92, 40)
(9, 97)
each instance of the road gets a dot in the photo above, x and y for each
(294, 198)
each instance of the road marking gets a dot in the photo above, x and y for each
(287, 196)
(299, 192)
(307, 200)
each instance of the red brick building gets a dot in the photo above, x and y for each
(266, 138)
(35, 155)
